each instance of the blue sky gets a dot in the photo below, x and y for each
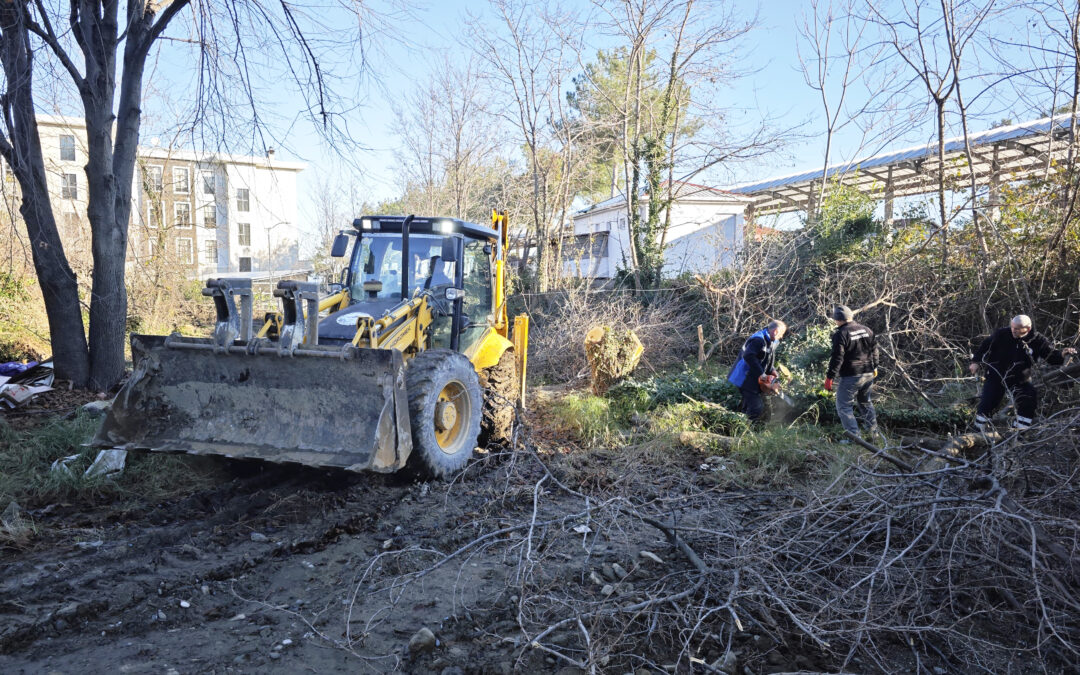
(415, 40)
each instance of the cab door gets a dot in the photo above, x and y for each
(478, 305)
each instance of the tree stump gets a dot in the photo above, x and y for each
(612, 355)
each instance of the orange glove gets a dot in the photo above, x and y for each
(828, 384)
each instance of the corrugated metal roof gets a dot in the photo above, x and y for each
(1016, 147)
(683, 190)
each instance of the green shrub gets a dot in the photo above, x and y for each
(938, 420)
(771, 455)
(808, 350)
(723, 421)
(697, 416)
(643, 395)
(629, 397)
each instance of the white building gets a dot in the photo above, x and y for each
(207, 213)
(705, 234)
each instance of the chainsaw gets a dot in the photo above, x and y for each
(771, 387)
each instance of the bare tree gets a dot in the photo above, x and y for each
(671, 54)
(838, 60)
(1061, 22)
(102, 54)
(960, 31)
(529, 64)
(445, 128)
(930, 37)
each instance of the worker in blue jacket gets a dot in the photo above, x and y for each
(757, 358)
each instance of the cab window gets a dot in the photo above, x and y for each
(379, 259)
(478, 292)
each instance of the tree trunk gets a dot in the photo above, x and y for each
(21, 147)
(941, 183)
(108, 305)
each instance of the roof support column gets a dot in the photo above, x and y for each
(890, 195)
(812, 201)
(994, 201)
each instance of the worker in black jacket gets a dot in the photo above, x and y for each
(1008, 356)
(854, 360)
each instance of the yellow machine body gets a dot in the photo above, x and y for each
(284, 392)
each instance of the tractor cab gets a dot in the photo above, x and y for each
(448, 260)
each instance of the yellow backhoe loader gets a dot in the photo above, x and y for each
(409, 361)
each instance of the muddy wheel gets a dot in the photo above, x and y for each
(444, 409)
(501, 393)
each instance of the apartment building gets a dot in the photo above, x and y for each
(204, 214)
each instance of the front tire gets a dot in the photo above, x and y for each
(445, 404)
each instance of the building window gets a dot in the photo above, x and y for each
(69, 186)
(587, 246)
(210, 251)
(152, 245)
(243, 199)
(181, 178)
(184, 250)
(154, 211)
(210, 215)
(182, 214)
(152, 181)
(209, 183)
(245, 264)
(243, 235)
(67, 148)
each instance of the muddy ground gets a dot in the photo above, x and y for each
(257, 574)
(285, 569)
(265, 572)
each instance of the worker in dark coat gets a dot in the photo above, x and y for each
(1007, 358)
(757, 358)
(854, 361)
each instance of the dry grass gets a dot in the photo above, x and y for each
(664, 322)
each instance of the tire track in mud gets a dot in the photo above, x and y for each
(134, 577)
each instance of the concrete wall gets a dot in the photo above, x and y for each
(270, 216)
(703, 238)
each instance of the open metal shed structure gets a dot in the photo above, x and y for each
(1016, 152)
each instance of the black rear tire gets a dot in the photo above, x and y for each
(445, 404)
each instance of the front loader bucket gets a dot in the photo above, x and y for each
(324, 406)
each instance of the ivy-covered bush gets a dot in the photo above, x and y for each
(937, 420)
(641, 395)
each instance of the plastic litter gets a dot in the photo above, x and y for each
(62, 465)
(108, 463)
(20, 382)
(15, 367)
